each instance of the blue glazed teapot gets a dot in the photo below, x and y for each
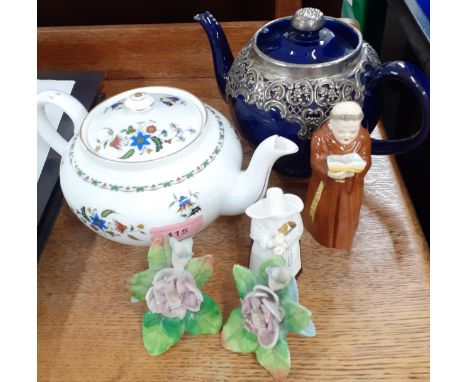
(288, 77)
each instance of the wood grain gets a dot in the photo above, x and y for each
(370, 305)
(142, 51)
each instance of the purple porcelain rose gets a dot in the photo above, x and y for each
(173, 292)
(262, 315)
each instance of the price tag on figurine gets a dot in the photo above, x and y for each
(179, 230)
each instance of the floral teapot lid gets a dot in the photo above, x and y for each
(143, 124)
(307, 38)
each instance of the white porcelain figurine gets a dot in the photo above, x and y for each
(276, 228)
(155, 161)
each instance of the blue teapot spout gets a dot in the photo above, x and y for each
(222, 55)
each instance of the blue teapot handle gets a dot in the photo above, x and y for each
(418, 83)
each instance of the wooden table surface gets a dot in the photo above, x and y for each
(370, 305)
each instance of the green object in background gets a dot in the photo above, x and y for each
(370, 14)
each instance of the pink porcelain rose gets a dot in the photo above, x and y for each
(173, 292)
(262, 315)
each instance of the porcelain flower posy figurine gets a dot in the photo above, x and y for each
(276, 229)
(269, 310)
(171, 287)
(341, 157)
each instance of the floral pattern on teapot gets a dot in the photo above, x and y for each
(186, 205)
(166, 100)
(145, 138)
(151, 187)
(107, 225)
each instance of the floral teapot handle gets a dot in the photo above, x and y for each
(70, 105)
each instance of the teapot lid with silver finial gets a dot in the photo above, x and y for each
(307, 38)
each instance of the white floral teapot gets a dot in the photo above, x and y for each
(154, 161)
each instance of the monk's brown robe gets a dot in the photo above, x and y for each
(331, 212)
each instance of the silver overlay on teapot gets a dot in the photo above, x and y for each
(306, 101)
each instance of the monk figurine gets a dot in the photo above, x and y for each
(340, 158)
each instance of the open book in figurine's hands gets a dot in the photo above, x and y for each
(346, 163)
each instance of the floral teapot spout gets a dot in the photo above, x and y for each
(292, 72)
(154, 161)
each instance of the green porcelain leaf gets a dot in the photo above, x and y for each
(277, 360)
(283, 334)
(296, 316)
(309, 330)
(206, 321)
(235, 337)
(201, 268)
(140, 283)
(262, 275)
(244, 279)
(160, 256)
(290, 291)
(160, 333)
